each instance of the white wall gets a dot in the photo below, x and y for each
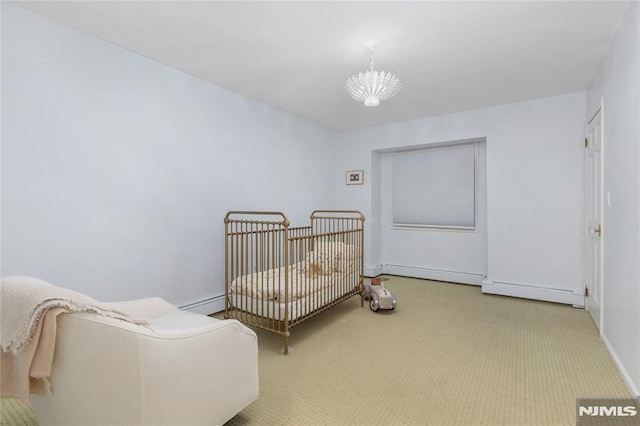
(534, 189)
(117, 171)
(617, 82)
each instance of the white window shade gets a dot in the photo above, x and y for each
(435, 187)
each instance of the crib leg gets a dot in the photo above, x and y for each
(286, 344)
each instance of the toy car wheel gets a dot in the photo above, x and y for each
(373, 305)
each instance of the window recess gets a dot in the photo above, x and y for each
(435, 187)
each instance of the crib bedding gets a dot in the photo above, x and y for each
(270, 284)
(322, 268)
(274, 308)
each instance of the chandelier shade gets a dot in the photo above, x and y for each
(372, 86)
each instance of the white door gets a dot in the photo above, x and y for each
(593, 178)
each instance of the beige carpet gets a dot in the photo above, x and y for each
(447, 355)
(13, 412)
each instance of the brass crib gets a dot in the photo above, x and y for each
(277, 276)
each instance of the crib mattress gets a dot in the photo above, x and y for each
(270, 284)
(302, 305)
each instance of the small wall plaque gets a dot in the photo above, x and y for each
(355, 177)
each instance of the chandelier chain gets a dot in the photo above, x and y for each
(371, 63)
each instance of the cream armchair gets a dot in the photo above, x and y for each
(186, 369)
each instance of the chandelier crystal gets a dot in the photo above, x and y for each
(372, 86)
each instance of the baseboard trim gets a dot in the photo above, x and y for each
(207, 306)
(429, 274)
(216, 303)
(625, 375)
(373, 271)
(568, 297)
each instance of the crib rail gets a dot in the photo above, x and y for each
(277, 276)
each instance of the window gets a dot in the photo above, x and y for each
(435, 187)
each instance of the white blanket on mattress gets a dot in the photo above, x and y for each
(270, 285)
(323, 267)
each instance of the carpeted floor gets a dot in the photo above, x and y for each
(448, 355)
(13, 412)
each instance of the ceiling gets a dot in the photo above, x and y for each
(296, 55)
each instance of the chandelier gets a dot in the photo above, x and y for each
(372, 86)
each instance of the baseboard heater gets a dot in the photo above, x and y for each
(207, 306)
(565, 296)
(569, 297)
(425, 273)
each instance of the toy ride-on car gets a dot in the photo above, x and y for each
(378, 296)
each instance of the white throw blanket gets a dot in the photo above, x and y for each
(28, 311)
